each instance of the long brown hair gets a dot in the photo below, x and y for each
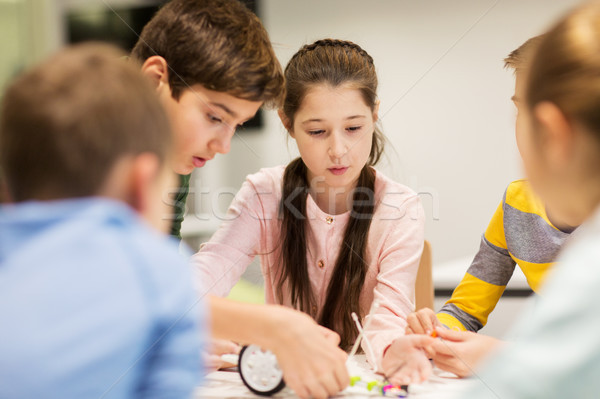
(335, 63)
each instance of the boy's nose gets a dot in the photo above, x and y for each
(221, 144)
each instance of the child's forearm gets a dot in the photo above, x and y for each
(243, 322)
(307, 353)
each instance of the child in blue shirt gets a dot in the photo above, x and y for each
(95, 302)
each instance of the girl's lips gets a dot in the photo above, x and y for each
(199, 162)
(338, 171)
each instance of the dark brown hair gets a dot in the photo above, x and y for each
(66, 122)
(565, 69)
(219, 44)
(334, 63)
(519, 58)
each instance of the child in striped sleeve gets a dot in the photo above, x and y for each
(522, 231)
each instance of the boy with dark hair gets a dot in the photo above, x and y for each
(95, 302)
(213, 67)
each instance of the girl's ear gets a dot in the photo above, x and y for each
(557, 133)
(157, 69)
(286, 122)
(376, 111)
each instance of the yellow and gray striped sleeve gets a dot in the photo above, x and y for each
(533, 241)
(482, 286)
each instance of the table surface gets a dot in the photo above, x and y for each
(228, 384)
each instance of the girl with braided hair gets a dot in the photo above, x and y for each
(333, 234)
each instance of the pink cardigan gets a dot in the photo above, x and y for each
(393, 251)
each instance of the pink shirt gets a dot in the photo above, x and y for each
(393, 250)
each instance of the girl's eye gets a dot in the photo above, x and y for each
(354, 128)
(214, 119)
(316, 132)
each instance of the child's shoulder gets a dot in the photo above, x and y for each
(262, 190)
(519, 187)
(267, 179)
(155, 250)
(520, 195)
(391, 196)
(385, 186)
(267, 175)
(115, 234)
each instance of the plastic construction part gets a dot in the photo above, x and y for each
(395, 391)
(383, 389)
(434, 334)
(260, 371)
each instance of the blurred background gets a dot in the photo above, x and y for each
(445, 100)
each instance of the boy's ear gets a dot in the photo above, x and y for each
(286, 121)
(558, 134)
(144, 178)
(141, 181)
(157, 69)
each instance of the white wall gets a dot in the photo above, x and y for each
(444, 94)
(445, 99)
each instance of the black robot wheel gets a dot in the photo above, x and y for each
(260, 371)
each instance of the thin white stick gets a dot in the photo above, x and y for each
(361, 330)
(358, 338)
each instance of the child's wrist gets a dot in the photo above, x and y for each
(273, 337)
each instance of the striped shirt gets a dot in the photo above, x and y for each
(519, 233)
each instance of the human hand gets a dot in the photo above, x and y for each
(308, 355)
(216, 348)
(460, 352)
(405, 361)
(424, 321)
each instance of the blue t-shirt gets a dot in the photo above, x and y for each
(94, 304)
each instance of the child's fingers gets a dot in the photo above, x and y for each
(442, 361)
(425, 372)
(425, 323)
(328, 385)
(223, 346)
(415, 323)
(410, 375)
(408, 331)
(445, 348)
(426, 317)
(452, 335)
(429, 351)
(401, 377)
(422, 341)
(452, 364)
(415, 377)
(422, 370)
(341, 373)
(442, 358)
(214, 362)
(331, 336)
